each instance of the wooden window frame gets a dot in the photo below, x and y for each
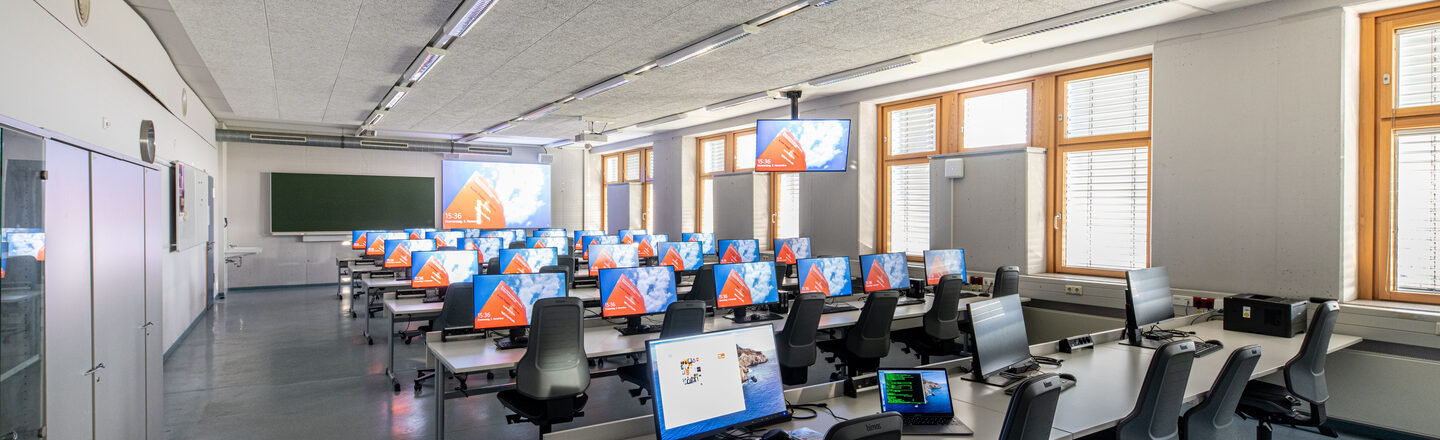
(622, 176)
(945, 142)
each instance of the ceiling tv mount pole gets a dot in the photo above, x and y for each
(794, 96)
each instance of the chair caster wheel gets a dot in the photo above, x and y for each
(397, 387)
(407, 341)
(417, 387)
(369, 340)
(490, 375)
(352, 315)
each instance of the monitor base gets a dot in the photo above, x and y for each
(1143, 342)
(741, 317)
(517, 339)
(633, 326)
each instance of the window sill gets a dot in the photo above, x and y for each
(1077, 278)
(1394, 309)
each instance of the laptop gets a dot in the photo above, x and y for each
(922, 397)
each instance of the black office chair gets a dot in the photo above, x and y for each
(553, 375)
(940, 331)
(1214, 418)
(795, 344)
(516, 245)
(1156, 415)
(703, 289)
(867, 341)
(457, 315)
(1272, 404)
(1007, 281)
(492, 267)
(883, 426)
(1031, 413)
(682, 318)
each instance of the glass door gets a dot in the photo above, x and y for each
(22, 260)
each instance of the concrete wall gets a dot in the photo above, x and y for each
(996, 212)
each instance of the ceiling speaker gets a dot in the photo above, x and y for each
(546, 158)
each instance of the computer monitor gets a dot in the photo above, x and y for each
(359, 239)
(684, 256)
(884, 272)
(1147, 302)
(597, 239)
(741, 285)
(788, 250)
(786, 145)
(998, 339)
(442, 268)
(489, 247)
(712, 382)
(505, 302)
(376, 246)
(647, 244)
(516, 235)
(706, 240)
(470, 233)
(446, 239)
(508, 235)
(558, 243)
(634, 292)
(513, 261)
(398, 252)
(627, 236)
(939, 263)
(548, 232)
(580, 238)
(613, 256)
(739, 251)
(418, 233)
(829, 275)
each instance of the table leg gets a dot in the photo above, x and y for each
(369, 340)
(439, 388)
(390, 344)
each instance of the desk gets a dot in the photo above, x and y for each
(403, 310)
(373, 289)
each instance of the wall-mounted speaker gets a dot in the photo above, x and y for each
(546, 158)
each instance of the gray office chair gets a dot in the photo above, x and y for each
(1157, 411)
(1272, 404)
(1214, 418)
(682, 318)
(568, 262)
(492, 267)
(703, 289)
(1007, 281)
(883, 426)
(867, 341)
(561, 269)
(516, 245)
(552, 376)
(795, 344)
(940, 326)
(1031, 413)
(457, 316)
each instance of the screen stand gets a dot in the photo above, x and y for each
(633, 326)
(517, 339)
(741, 316)
(1134, 338)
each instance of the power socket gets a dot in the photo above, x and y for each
(1182, 301)
(1071, 289)
(989, 283)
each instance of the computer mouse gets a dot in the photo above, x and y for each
(1216, 342)
(776, 434)
(1069, 377)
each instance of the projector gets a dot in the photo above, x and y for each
(589, 137)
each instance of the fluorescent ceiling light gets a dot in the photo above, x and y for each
(737, 101)
(604, 86)
(560, 143)
(1070, 19)
(499, 128)
(821, 3)
(654, 122)
(643, 69)
(866, 70)
(396, 94)
(709, 44)
(540, 112)
(422, 65)
(472, 137)
(375, 117)
(460, 24)
(776, 14)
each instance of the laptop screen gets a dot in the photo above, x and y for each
(922, 391)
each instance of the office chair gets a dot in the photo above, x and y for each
(568, 262)
(703, 289)
(456, 313)
(1156, 415)
(553, 375)
(1272, 404)
(492, 267)
(682, 318)
(795, 344)
(1031, 413)
(1007, 281)
(940, 326)
(516, 245)
(867, 341)
(1214, 418)
(569, 274)
(883, 426)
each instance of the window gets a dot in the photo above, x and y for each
(1400, 155)
(996, 117)
(720, 153)
(784, 205)
(627, 166)
(910, 132)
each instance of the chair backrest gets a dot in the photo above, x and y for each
(492, 267)
(560, 270)
(1305, 373)
(567, 262)
(1157, 410)
(795, 344)
(554, 363)
(1215, 417)
(1007, 281)
(883, 426)
(683, 318)
(516, 245)
(458, 310)
(869, 338)
(942, 321)
(1031, 414)
(703, 288)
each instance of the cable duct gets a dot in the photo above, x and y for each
(362, 143)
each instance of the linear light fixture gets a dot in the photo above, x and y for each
(709, 44)
(540, 112)
(605, 86)
(737, 101)
(654, 122)
(427, 60)
(1071, 19)
(499, 128)
(396, 94)
(643, 69)
(560, 143)
(472, 137)
(375, 117)
(866, 70)
(821, 3)
(460, 24)
(778, 13)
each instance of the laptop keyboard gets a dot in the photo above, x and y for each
(929, 420)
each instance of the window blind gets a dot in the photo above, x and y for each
(713, 153)
(912, 130)
(910, 208)
(1417, 66)
(1417, 211)
(707, 203)
(745, 152)
(788, 216)
(649, 165)
(612, 169)
(997, 119)
(632, 166)
(649, 206)
(1106, 209)
(1110, 104)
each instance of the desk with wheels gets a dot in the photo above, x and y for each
(404, 310)
(373, 290)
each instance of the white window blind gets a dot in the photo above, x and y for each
(650, 206)
(910, 208)
(1110, 104)
(997, 119)
(1417, 65)
(612, 169)
(632, 166)
(650, 165)
(912, 130)
(1417, 211)
(788, 217)
(745, 152)
(707, 203)
(1106, 209)
(713, 156)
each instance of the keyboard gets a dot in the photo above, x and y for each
(1204, 348)
(1065, 384)
(432, 299)
(925, 419)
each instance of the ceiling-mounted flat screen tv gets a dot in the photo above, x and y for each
(786, 145)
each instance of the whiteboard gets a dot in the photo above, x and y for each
(189, 206)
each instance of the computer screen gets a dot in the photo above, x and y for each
(558, 243)
(636, 291)
(418, 233)
(397, 252)
(706, 240)
(647, 243)
(470, 233)
(494, 195)
(24, 242)
(739, 251)
(1147, 297)
(787, 250)
(627, 236)
(580, 237)
(612, 256)
(939, 263)
(446, 239)
(513, 261)
(441, 268)
(916, 391)
(998, 335)
(489, 247)
(830, 276)
(376, 246)
(784, 145)
(707, 383)
(597, 239)
(681, 255)
(744, 284)
(359, 239)
(885, 272)
(505, 301)
(548, 232)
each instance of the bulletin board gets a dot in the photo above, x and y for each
(189, 206)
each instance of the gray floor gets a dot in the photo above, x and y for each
(285, 363)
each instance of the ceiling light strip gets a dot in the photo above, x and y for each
(654, 122)
(1070, 19)
(540, 112)
(709, 44)
(396, 94)
(779, 13)
(737, 101)
(865, 70)
(604, 86)
(460, 24)
(423, 64)
(499, 128)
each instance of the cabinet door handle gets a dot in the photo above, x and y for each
(148, 324)
(92, 371)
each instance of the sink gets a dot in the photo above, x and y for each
(241, 251)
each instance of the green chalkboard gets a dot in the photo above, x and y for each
(341, 202)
